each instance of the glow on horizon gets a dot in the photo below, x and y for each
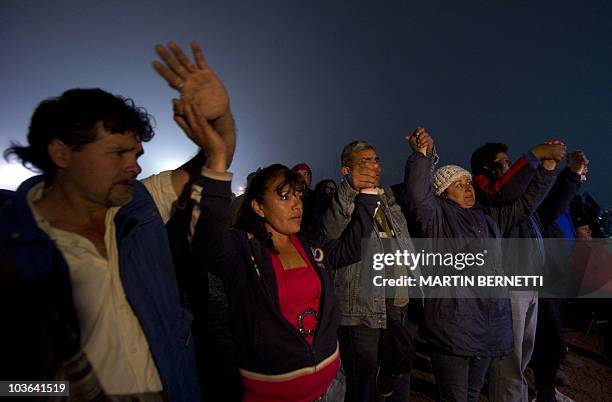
(12, 174)
(170, 164)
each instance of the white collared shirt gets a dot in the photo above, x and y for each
(111, 335)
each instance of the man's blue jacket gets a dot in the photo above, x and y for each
(147, 275)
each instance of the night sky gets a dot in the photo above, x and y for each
(307, 77)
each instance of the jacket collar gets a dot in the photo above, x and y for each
(18, 223)
(139, 210)
(265, 272)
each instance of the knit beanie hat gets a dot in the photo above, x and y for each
(446, 175)
(302, 166)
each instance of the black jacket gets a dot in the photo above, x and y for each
(558, 201)
(267, 343)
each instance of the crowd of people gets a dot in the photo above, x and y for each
(170, 288)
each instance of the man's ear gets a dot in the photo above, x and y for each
(345, 170)
(59, 153)
(257, 208)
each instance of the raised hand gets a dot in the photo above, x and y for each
(420, 140)
(364, 176)
(578, 162)
(196, 82)
(199, 86)
(550, 150)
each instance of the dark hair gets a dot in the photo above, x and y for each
(72, 118)
(247, 219)
(485, 155)
(320, 187)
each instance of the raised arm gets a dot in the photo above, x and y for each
(338, 215)
(565, 188)
(549, 153)
(213, 245)
(513, 183)
(512, 214)
(419, 195)
(201, 87)
(510, 186)
(346, 249)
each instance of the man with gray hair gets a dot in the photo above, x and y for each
(368, 311)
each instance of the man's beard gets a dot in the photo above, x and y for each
(126, 189)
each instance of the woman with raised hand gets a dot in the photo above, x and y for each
(283, 313)
(466, 328)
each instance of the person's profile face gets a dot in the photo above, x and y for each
(584, 232)
(306, 175)
(104, 171)
(501, 164)
(329, 188)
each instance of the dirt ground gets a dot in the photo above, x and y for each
(590, 379)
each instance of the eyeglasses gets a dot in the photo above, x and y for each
(373, 160)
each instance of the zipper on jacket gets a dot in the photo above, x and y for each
(255, 266)
(271, 305)
(396, 231)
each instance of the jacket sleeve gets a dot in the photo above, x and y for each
(558, 199)
(510, 186)
(213, 245)
(339, 212)
(422, 204)
(514, 213)
(346, 249)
